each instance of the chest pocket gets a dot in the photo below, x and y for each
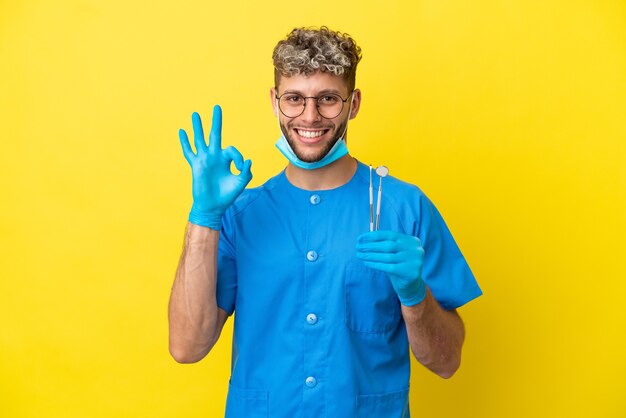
(372, 306)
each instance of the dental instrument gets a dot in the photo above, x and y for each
(382, 171)
(371, 202)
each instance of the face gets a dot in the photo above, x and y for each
(310, 135)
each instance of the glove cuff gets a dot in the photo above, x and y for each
(207, 220)
(418, 293)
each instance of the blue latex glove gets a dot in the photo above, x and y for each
(401, 257)
(215, 188)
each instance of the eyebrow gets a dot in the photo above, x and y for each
(325, 91)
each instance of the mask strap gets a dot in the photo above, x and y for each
(343, 135)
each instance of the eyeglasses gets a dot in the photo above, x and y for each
(328, 105)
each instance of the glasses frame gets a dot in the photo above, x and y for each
(317, 106)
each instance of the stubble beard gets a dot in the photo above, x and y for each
(317, 157)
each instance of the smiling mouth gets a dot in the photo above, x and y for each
(311, 133)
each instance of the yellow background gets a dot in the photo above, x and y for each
(510, 115)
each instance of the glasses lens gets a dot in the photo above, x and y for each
(292, 105)
(330, 105)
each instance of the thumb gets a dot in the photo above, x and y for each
(246, 173)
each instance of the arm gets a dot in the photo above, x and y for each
(195, 321)
(435, 335)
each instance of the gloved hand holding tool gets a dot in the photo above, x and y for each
(400, 256)
(215, 187)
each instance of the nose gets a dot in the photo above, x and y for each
(310, 113)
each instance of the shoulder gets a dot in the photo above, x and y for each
(401, 188)
(389, 182)
(408, 201)
(251, 195)
(394, 189)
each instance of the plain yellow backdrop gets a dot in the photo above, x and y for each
(510, 115)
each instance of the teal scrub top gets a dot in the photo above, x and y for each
(316, 333)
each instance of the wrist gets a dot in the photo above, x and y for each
(413, 294)
(200, 236)
(208, 220)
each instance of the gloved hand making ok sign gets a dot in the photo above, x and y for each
(215, 188)
(399, 255)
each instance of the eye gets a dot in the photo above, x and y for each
(292, 98)
(329, 99)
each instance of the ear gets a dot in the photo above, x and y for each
(356, 103)
(273, 99)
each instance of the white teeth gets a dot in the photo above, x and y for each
(310, 134)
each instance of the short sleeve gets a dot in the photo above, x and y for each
(445, 270)
(226, 266)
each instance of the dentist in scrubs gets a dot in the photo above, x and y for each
(326, 312)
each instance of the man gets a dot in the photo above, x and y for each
(326, 308)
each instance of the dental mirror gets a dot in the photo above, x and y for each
(382, 171)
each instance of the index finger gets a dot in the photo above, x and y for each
(377, 236)
(215, 139)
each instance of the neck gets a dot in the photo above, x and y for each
(331, 176)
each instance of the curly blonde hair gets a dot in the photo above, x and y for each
(307, 50)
